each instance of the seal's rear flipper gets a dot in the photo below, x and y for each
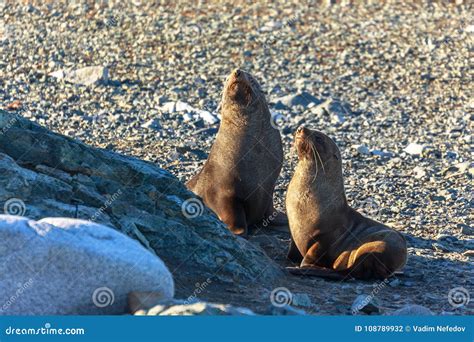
(321, 272)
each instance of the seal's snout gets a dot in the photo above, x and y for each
(237, 75)
(302, 132)
(238, 87)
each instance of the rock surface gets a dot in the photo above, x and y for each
(60, 266)
(413, 310)
(51, 175)
(183, 308)
(83, 76)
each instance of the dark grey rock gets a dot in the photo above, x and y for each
(135, 197)
(302, 99)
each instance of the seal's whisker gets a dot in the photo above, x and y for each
(311, 146)
(320, 160)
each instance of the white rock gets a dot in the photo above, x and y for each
(85, 76)
(364, 303)
(470, 29)
(337, 118)
(57, 74)
(419, 172)
(301, 299)
(180, 308)
(413, 310)
(362, 149)
(271, 25)
(187, 117)
(183, 106)
(381, 153)
(414, 149)
(169, 107)
(152, 124)
(207, 116)
(59, 266)
(179, 106)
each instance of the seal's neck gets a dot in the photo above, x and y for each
(252, 121)
(327, 186)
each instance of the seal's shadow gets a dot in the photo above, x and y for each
(424, 263)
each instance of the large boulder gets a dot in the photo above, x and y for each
(60, 266)
(45, 174)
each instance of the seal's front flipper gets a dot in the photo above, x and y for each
(233, 215)
(321, 272)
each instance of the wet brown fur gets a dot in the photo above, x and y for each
(239, 176)
(326, 232)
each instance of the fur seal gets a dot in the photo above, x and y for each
(239, 176)
(329, 237)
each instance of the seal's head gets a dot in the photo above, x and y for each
(242, 93)
(321, 154)
(316, 146)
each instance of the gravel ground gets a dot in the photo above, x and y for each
(398, 74)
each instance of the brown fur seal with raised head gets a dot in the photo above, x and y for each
(239, 176)
(329, 237)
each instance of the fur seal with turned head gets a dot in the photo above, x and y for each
(328, 236)
(239, 176)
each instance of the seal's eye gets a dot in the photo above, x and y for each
(319, 140)
(336, 157)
